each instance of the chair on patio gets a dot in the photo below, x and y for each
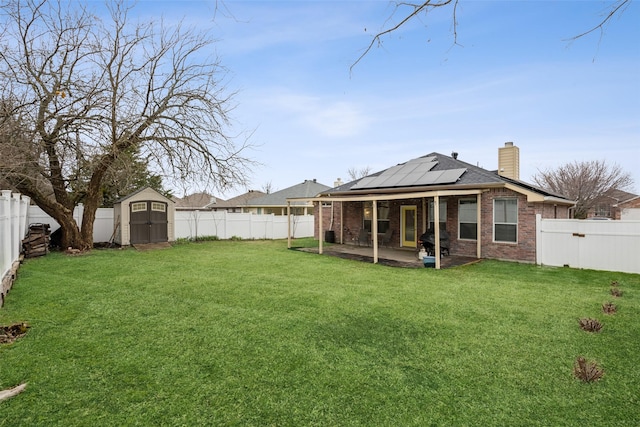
(386, 238)
(363, 237)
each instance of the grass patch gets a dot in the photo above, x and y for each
(250, 333)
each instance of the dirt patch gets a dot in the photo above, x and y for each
(9, 334)
(151, 246)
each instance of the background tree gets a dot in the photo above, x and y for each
(584, 182)
(85, 91)
(405, 12)
(355, 173)
(267, 187)
(129, 173)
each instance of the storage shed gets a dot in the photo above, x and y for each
(145, 216)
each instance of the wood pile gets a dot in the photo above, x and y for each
(37, 241)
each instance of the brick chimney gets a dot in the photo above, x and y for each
(509, 161)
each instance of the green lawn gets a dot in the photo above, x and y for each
(252, 334)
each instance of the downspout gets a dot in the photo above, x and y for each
(331, 221)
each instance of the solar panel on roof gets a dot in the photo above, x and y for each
(412, 179)
(397, 176)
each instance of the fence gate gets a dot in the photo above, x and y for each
(598, 245)
(148, 222)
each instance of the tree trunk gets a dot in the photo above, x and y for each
(71, 237)
(86, 231)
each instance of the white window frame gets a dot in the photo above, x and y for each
(158, 207)
(515, 224)
(138, 206)
(470, 201)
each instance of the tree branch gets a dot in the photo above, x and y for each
(417, 9)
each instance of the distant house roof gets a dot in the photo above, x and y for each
(241, 200)
(435, 171)
(620, 197)
(197, 201)
(308, 188)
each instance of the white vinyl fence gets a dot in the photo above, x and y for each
(225, 225)
(597, 245)
(13, 225)
(194, 224)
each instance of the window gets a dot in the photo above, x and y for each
(603, 209)
(505, 220)
(158, 207)
(443, 214)
(468, 219)
(138, 206)
(383, 216)
(298, 211)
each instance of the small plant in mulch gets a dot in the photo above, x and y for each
(11, 333)
(590, 325)
(609, 308)
(587, 370)
(616, 292)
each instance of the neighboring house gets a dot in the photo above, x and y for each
(613, 203)
(197, 201)
(486, 214)
(629, 209)
(238, 203)
(276, 202)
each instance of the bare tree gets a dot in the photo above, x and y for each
(355, 173)
(584, 182)
(408, 11)
(267, 187)
(86, 90)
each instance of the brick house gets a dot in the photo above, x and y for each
(616, 204)
(486, 214)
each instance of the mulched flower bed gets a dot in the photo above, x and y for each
(9, 334)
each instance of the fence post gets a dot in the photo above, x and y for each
(24, 214)
(5, 232)
(16, 239)
(538, 239)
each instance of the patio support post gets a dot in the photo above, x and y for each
(320, 228)
(424, 219)
(341, 223)
(374, 231)
(479, 225)
(436, 225)
(288, 224)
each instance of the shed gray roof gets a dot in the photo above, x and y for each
(308, 188)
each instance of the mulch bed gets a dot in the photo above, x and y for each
(9, 334)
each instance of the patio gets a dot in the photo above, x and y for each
(393, 257)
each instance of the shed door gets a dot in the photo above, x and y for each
(148, 222)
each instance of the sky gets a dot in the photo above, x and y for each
(510, 74)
